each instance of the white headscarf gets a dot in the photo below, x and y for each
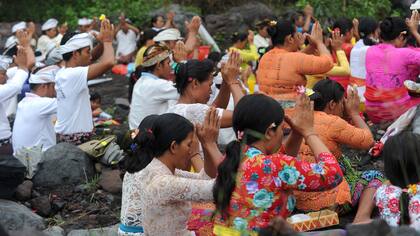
(76, 42)
(53, 55)
(44, 76)
(49, 24)
(84, 21)
(19, 26)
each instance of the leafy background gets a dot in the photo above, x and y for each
(139, 10)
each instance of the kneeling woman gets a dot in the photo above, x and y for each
(156, 189)
(357, 188)
(255, 179)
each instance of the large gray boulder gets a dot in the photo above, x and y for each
(222, 26)
(64, 164)
(17, 217)
(236, 19)
(54, 231)
(181, 15)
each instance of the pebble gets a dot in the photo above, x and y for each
(110, 198)
(42, 205)
(98, 167)
(81, 188)
(58, 205)
(23, 191)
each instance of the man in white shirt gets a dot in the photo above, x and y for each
(33, 124)
(126, 37)
(7, 91)
(50, 36)
(152, 93)
(74, 114)
(262, 39)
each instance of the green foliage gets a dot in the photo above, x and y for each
(139, 10)
(71, 10)
(93, 184)
(325, 9)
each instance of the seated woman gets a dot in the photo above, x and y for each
(156, 189)
(193, 82)
(344, 27)
(398, 202)
(284, 67)
(386, 96)
(357, 188)
(369, 33)
(152, 93)
(244, 44)
(255, 180)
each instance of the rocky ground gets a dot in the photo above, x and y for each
(62, 201)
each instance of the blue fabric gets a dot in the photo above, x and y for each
(131, 67)
(25, 89)
(300, 29)
(131, 229)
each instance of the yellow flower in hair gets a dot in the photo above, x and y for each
(102, 17)
(412, 189)
(309, 92)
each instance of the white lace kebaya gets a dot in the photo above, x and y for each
(157, 202)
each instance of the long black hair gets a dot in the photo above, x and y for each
(238, 36)
(402, 166)
(147, 34)
(192, 69)
(367, 26)
(279, 31)
(253, 114)
(156, 134)
(391, 28)
(344, 24)
(155, 19)
(326, 90)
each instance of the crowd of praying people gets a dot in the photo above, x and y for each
(282, 100)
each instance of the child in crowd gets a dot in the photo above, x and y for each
(399, 201)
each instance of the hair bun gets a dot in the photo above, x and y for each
(272, 30)
(386, 25)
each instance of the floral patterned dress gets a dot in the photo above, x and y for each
(264, 186)
(388, 201)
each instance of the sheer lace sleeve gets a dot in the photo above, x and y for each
(186, 174)
(196, 113)
(168, 188)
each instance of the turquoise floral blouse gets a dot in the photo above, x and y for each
(264, 186)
